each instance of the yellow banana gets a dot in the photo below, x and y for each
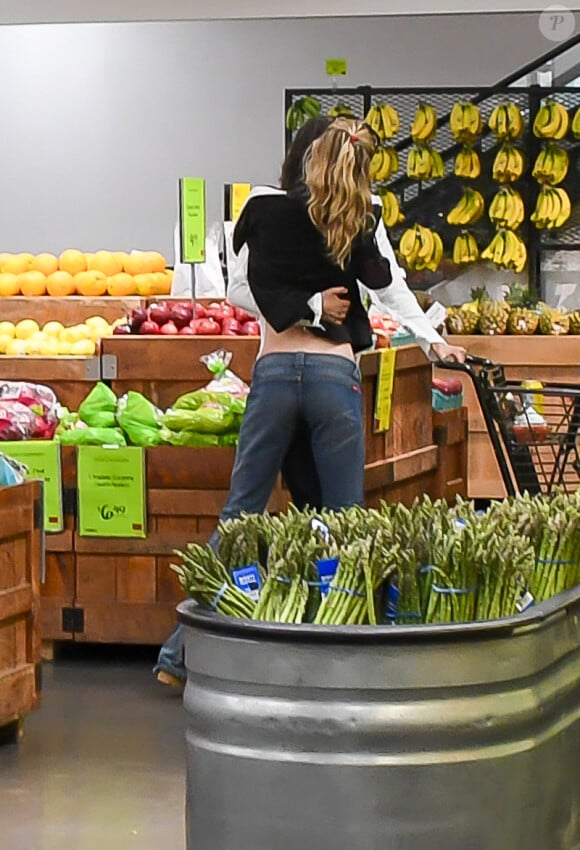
(552, 121)
(424, 124)
(576, 124)
(374, 121)
(390, 120)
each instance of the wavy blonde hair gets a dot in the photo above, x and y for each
(337, 175)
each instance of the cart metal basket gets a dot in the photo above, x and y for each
(534, 432)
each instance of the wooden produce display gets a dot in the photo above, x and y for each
(68, 311)
(553, 360)
(71, 378)
(163, 368)
(20, 572)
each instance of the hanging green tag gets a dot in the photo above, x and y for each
(336, 67)
(111, 486)
(192, 214)
(42, 457)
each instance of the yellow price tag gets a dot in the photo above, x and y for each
(239, 196)
(385, 383)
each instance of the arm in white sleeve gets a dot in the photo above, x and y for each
(398, 300)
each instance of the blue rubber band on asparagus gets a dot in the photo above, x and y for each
(219, 595)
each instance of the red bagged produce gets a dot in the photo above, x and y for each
(18, 422)
(39, 399)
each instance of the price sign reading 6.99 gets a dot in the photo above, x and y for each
(111, 485)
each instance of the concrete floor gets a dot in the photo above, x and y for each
(101, 764)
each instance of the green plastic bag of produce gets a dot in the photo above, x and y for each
(229, 440)
(99, 408)
(92, 437)
(194, 399)
(189, 439)
(209, 418)
(139, 419)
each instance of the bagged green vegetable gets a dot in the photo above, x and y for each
(189, 439)
(99, 408)
(139, 419)
(229, 440)
(194, 399)
(210, 418)
(92, 437)
(68, 421)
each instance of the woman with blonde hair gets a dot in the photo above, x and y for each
(318, 237)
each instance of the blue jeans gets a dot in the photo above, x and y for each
(289, 391)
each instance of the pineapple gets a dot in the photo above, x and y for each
(554, 323)
(574, 322)
(461, 320)
(524, 316)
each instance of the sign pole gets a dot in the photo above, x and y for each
(192, 219)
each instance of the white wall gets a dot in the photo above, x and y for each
(97, 122)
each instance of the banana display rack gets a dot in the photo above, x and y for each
(418, 195)
(534, 431)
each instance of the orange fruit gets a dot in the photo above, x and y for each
(32, 283)
(45, 263)
(107, 263)
(156, 262)
(3, 258)
(135, 264)
(121, 256)
(9, 284)
(91, 283)
(72, 261)
(145, 284)
(60, 284)
(18, 263)
(161, 284)
(120, 285)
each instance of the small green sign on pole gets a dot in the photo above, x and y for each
(336, 67)
(111, 487)
(42, 458)
(193, 219)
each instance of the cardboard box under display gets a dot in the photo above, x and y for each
(551, 360)
(20, 573)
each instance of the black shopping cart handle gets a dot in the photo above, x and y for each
(470, 360)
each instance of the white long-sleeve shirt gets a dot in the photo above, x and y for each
(396, 299)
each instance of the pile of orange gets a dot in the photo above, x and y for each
(112, 273)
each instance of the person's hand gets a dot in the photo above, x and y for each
(334, 307)
(449, 352)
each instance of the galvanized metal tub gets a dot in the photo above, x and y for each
(394, 738)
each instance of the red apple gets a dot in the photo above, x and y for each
(148, 328)
(181, 315)
(231, 327)
(168, 329)
(199, 311)
(206, 326)
(187, 331)
(243, 316)
(160, 313)
(122, 330)
(137, 317)
(251, 328)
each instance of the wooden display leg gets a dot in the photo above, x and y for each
(48, 650)
(11, 733)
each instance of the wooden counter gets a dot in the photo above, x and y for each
(553, 360)
(20, 572)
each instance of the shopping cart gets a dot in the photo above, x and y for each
(534, 432)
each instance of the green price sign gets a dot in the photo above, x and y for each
(42, 459)
(336, 67)
(192, 213)
(111, 485)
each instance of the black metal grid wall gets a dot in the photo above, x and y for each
(428, 202)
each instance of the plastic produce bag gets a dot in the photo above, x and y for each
(209, 277)
(39, 399)
(11, 471)
(224, 381)
(209, 418)
(18, 422)
(139, 419)
(99, 408)
(189, 439)
(92, 437)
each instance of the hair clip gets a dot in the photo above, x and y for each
(353, 137)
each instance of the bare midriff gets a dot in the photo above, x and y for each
(298, 339)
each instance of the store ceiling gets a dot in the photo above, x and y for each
(64, 11)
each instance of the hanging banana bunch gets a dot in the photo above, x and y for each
(391, 214)
(553, 208)
(465, 122)
(508, 165)
(468, 210)
(424, 126)
(576, 125)
(507, 251)
(467, 163)
(384, 120)
(506, 121)
(384, 164)
(551, 166)
(301, 110)
(341, 110)
(507, 209)
(552, 120)
(465, 249)
(424, 163)
(421, 248)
